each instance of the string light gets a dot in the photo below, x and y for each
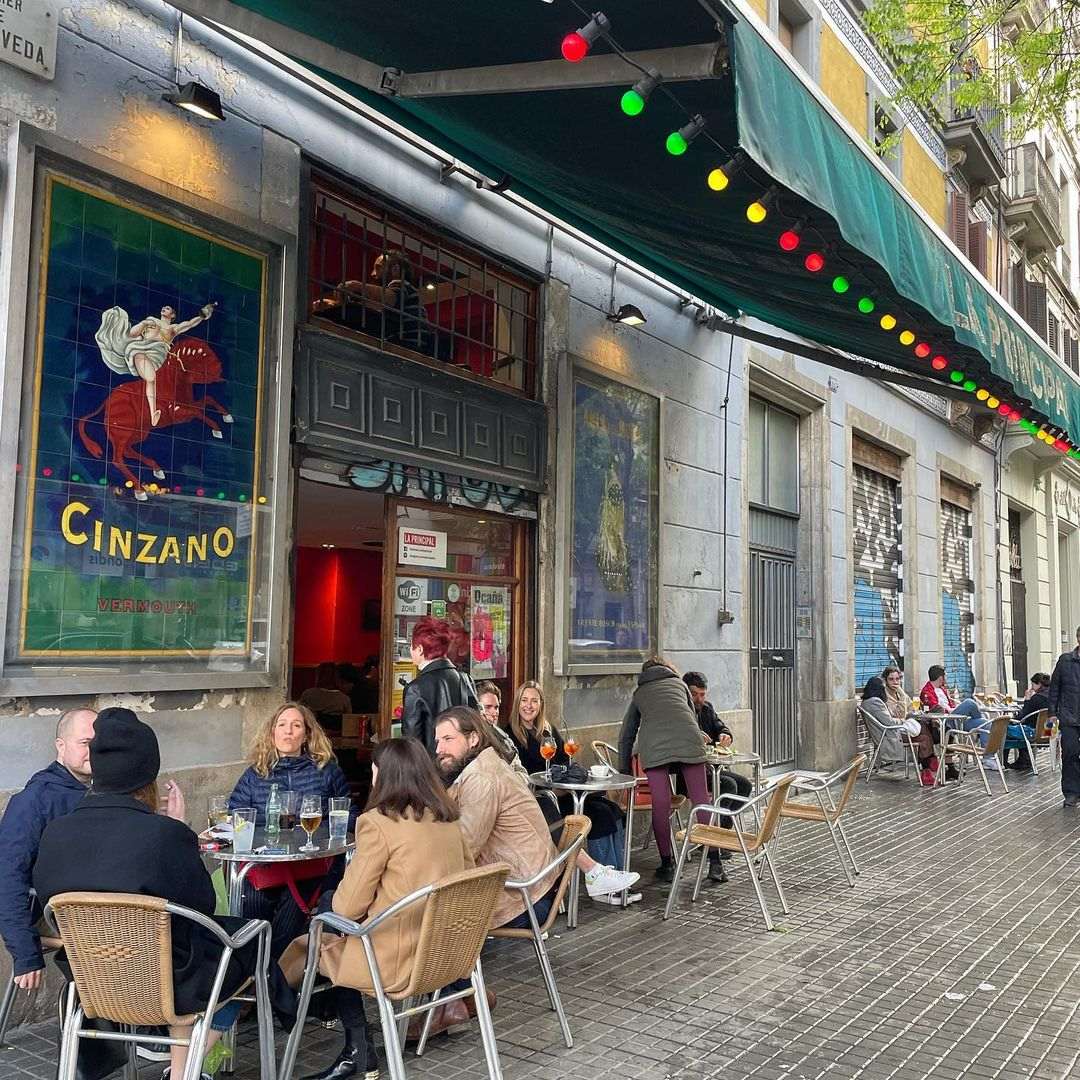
(758, 210)
(790, 239)
(957, 376)
(814, 262)
(922, 350)
(576, 44)
(906, 337)
(679, 141)
(888, 322)
(840, 284)
(939, 363)
(866, 305)
(633, 101)
(969, 385)
(992, 402)
(982, 394)
(718, 179)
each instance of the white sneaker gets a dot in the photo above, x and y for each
(605, 880)
(153, 1052)
(615, 899)
(991, 763)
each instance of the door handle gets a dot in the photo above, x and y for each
(777, 658)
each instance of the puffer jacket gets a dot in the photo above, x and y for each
(662, 719)
(299, 774)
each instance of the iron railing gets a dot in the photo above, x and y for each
(1031, 178)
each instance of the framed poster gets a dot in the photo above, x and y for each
(613, 525)
(140, 491)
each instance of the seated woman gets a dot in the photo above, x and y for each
(292, 751)
(528, 727)
(885, 704)
(407, 837)
(1035, 700)
(116, 842)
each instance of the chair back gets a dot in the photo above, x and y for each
(999, 729)
(457, 915)
(574, 825)
(852, 769)
(119, 946)
(1044, 729)
(605, 753)
(771, 818)
(873, 728)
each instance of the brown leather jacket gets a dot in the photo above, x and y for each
(502, 822)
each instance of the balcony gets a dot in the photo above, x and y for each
(1035, 201)
(1027, 15)
(975, 131)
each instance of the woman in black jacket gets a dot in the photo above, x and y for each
(439, 685)
(116, 842)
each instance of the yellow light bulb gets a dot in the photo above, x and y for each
(906, 337)
(887, 322)
(992, 403)
(718, 180)
(981, 394)
(755, 213)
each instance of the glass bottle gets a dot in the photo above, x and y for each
(273, 812)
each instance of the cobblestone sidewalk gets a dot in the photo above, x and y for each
(956, 955)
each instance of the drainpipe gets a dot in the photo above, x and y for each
(999, 446)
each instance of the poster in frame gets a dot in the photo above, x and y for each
(141, 480)
(611, 569)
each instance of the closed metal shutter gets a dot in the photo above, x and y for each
(878, 574)
(957, 596)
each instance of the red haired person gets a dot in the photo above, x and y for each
(438, 686)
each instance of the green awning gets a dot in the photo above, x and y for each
(573, 153)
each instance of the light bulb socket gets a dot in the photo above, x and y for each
(195, 98)
(647, 83)
(599, 24)
(692, 129)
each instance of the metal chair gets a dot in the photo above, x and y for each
(48, 944)
(736, 839)
(575, 832)
(454, 925)
(1047, 737)
(826, 809)
(968, 747)
(119, 946)
(872, 727)
(608, 755)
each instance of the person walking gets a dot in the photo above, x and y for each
(438, 685)
(1063, 701)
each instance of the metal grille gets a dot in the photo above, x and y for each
(773, 531)
(957, 597)
(772, 657)
(878, 573)
(393, 281)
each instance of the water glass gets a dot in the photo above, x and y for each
(243, 829)
(217, 811)
(290, 810)
(339, 820)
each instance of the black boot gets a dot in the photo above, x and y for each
(666, 870)
(352, 1061)
(716, 869)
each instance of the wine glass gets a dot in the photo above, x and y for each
(217, 810)
(571, 745)
(310, 819)
(548, 749)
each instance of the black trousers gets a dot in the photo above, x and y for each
(1070, 760)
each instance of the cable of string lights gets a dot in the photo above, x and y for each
(823, 255)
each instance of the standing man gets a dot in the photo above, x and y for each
(51, 793)
(1063, 701)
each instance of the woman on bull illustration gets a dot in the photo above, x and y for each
(142, 349)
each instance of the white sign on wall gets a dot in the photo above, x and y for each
(28, 31)
(420, 547)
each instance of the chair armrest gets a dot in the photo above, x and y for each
(338, 923)
(361, 930)
(242, 936)
(573, 849)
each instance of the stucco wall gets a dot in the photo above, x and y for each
(923, 178)
(842, 80)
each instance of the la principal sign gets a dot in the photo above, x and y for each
(28, 32)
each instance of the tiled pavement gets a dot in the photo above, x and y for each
(957, 954)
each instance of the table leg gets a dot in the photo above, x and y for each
(235, 883)
(575, 877)
(628, 840)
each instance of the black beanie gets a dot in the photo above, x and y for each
(124, 753)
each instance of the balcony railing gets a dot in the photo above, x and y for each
(1031, 178)
(989, 119)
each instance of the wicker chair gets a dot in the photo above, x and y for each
(457, 913)
(119, 946)
(608, 755)
(826, 809)
(48, 944)
(968, 748)
(736, 839)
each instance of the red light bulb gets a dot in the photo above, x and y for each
(939, 363)
(814, 262)
(1061, 444)
(574, 47)
(1016, 416)
(922, 350)
(1005, 410)
(789, 240)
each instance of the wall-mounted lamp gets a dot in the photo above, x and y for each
(628, 315)
(192, 96)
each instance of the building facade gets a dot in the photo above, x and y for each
(405, 392)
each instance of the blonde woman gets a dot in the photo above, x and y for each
(528, 726)
(292, 751)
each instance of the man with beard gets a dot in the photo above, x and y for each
(502, 823)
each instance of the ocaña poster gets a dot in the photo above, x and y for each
(489, 631)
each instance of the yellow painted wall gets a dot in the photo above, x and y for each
(761, 7)
(843, 80)
(923, 178)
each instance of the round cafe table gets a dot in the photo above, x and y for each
(579, 793)
(717, 762)
(238, 865)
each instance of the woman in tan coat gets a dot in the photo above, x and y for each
(408, 837)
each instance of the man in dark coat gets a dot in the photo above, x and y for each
(439, 685)
(1063, 701)
(50, 793)
(114, 841)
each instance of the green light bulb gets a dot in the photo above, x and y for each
(970, 385)
(866, 305)
(676, 144)
(957, 376)
(840, 284)
(632, 103)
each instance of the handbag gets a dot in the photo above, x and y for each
(277, 875)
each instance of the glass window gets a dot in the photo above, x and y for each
(474, 545)
(773, 456)
(391, 279)
(756, 451)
